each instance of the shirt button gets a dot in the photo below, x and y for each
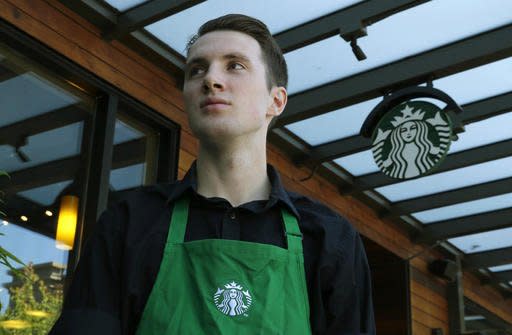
(232, 215)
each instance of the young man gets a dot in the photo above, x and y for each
(226, 250)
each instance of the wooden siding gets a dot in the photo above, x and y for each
(64, 31)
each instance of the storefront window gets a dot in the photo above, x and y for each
(42, 146)
(134, 156)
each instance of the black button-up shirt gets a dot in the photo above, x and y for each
(121, 260)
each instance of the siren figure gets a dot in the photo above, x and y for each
(412, 153)
(232, 302)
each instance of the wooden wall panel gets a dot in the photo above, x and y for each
(72, 36)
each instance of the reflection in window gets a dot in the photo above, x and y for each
(42, 122)
(134, 158)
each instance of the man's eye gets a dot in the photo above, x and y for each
(236, 66)
(195, 71)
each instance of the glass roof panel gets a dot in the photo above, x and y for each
(44, 97)
(44, 147)
(358, 164)
(467, 176)
(332, 58)
(177, 29)
(125, 133)
(478, 83)
(122, 5)
(334, 125)
(479, 133)
(465, 209)
(127, 177)
(505, 267)
(45, 195)
(495, 239)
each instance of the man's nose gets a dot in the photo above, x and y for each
(212, 82)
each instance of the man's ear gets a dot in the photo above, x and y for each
(279, 100)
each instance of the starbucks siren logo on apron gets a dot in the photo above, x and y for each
(411, 140)
(232, 300)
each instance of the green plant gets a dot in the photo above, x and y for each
(7, 258)
(34, 308)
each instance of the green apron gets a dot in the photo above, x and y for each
(219, 286)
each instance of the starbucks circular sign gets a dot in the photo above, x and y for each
(411, 140)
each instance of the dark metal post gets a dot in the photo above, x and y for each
(168, 150)
(455, 294)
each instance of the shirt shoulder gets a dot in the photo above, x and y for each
(323, 222)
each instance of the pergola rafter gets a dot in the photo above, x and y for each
(145, 14)
(344, 22)
(440, 62)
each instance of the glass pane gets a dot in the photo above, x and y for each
(176, 30)
(125, 133)
(491, 130)
(128, 177)
(418, 29)
(358, 164)
(43, 153)
(478, 83)
(135, 154)
(505, 267)
(334, 125)
(45, 97)
(495, 239)
(45, 195)
(44, 147)
(465, 209)
(475, 174)
(122, 5)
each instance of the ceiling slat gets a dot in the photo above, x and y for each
(466, 225)
(489, 258)
(437, 63)
(465, 194)
(344, 21)
(505, 276)
(124, 154)
(58, 118)
(145, 14)
(454, 161)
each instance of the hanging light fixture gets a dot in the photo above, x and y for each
(66, 225)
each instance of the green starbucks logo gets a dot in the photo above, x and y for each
(232, 300)
(411, 140)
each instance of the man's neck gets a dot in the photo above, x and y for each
(239, 176)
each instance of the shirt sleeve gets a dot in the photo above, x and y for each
(92, 303)
(350, 305)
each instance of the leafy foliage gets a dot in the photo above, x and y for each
(33, 304)
(7, 258)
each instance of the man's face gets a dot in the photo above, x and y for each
(226, 92)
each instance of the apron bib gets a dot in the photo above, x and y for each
(218, 286)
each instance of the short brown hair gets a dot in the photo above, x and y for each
(277, 72)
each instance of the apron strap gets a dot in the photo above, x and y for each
(292, 232)
(179, 221)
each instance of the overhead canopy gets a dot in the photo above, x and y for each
(462, 47)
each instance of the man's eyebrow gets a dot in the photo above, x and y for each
(238, 56)
(195, 60)
(232, 55)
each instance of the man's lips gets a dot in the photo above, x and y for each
(213, 101)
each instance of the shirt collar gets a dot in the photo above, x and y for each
(278, 194)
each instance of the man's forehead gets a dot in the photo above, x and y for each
(223, 43)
